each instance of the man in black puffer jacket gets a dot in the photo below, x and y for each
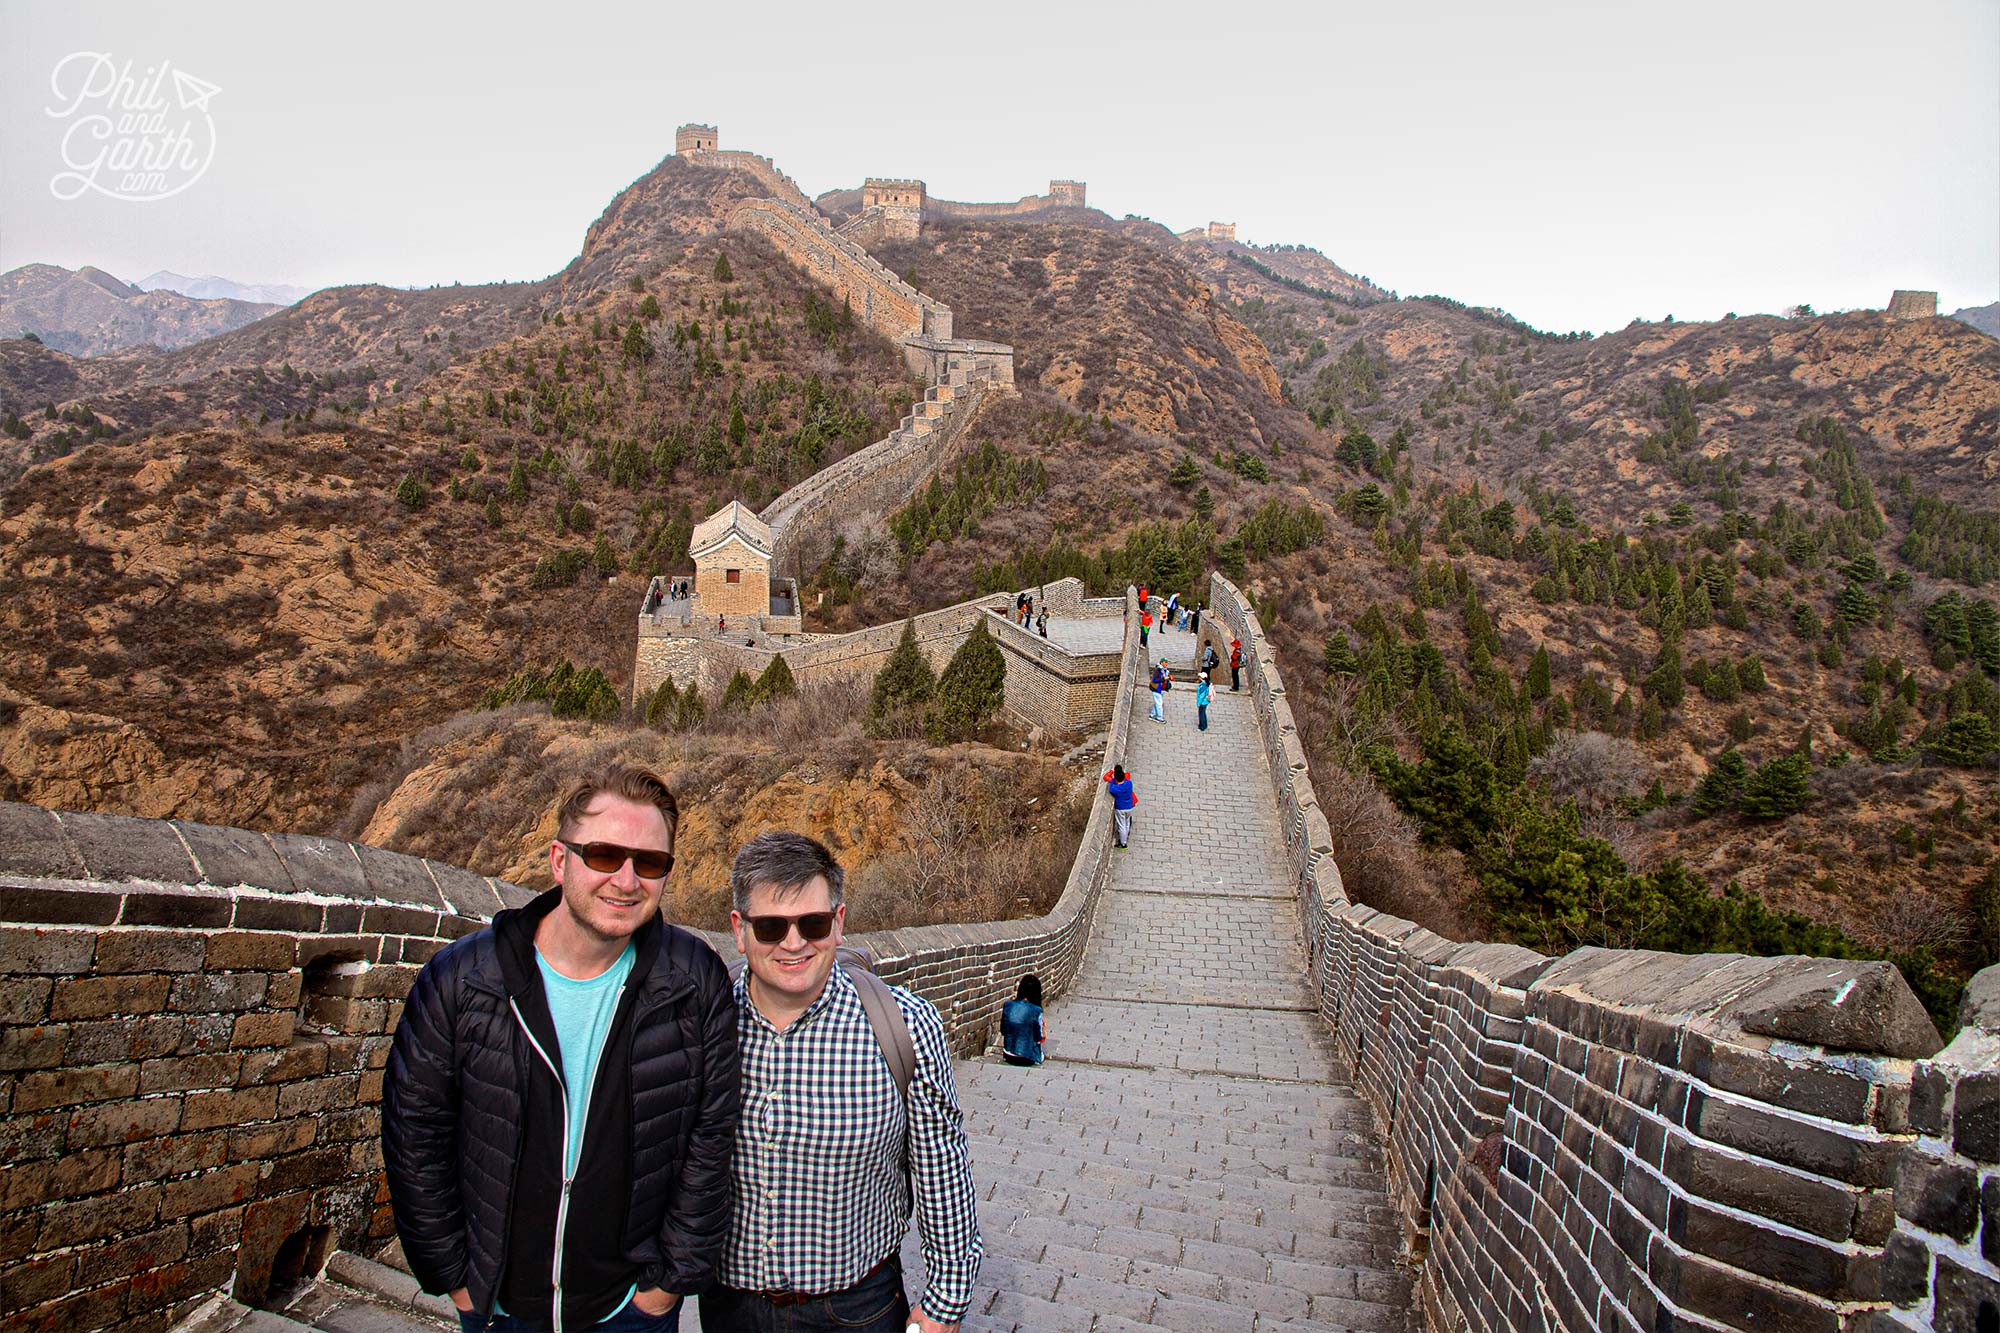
(560, 1103)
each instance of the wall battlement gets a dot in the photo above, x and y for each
(1912, 305)
(1621, 1140)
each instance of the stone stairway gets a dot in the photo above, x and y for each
(1190, 1156)
(356, 1295)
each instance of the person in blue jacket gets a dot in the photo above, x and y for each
(1201, 700)
(1122, 801)
(1022, 1031)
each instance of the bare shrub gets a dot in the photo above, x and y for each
(1911, 921)
(1381, 862)
(1592, 768)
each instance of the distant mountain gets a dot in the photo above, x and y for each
(87, 312)
(212, 288)
(1985, 318)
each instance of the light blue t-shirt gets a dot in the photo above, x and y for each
(582, 1012)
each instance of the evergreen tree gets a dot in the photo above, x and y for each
(1537, 684)
(736, 695)
(493, 515)
(661, 708)
(1185, 473)
(1722, 786)
(1340, 658)
(723, 273)
(1779, 787)
(1985, 904)
(1664, 684)
(636, 346)
(971, 688)
(1965, 740)
(690, 711)
(1204, 505)
(775, 683)
(904, 683)
(517, 482)
(739, 428)
(649, 309)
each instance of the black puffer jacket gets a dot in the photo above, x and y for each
(472, 1127)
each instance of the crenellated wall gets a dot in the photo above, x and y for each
(194, 1022)
(1620, 1140)
(879, 299)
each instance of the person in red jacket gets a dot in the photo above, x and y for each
(1235, 665)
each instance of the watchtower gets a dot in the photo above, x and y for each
(1222, 231)
(1912, 305)
(881, 192)
(694, 139)
(731, 549)
(1066, 194)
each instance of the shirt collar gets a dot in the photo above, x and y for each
(836, 983)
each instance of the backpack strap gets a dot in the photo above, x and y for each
(892, 1030)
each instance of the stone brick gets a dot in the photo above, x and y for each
(207, 1110)
(1736, 1301)
(312, 1096)
(36, 1281)
(1874, 1216)
(34, 951)
(1938, 1195)
(211, 1190)
(206, 1032)
(285, 991)
(50, 906)
(101, 997)
(157, 1159)
(24, 999)
(32, 844)
(262, 1029)
(304, 1059)
(150, 951)
(132, 1254)
(39, 1047)
(120, 847)
(108, 1041)
(251, 950)
(185, 1072)
(261, 1142)
(1989, 1227)
(30, 1184)
(1906, 1269)
(219, 992)
(1976, 1117)
(255, 913)
(1783, 1196)
(1964, 1301)
(26, 1136)
(323, 866)
(68, 1087)
(234, 857)
(207, 911)
(1792, 1142)
(124, 1122)
(75, 1221)
(215, 1231)
(398, 879)
(306, 1170)
(1930, 1088)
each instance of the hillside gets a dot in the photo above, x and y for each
(87, 312)
(1539, 568)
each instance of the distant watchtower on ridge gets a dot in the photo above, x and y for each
(694, 139)
(1913, 305)
(1066, 194)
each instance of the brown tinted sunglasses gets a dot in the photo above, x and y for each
(608, 858)
(773, 929)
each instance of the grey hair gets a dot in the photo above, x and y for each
(784, 862)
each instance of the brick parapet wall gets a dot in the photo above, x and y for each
(1630, 1140)
(194, 1023)
(1050, 686)
(879, 298)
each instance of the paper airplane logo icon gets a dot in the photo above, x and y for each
(194, 93)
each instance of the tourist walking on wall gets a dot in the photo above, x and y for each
(842, 1146)
(1022, 1030)
(1201, 701)
(1210, 659)
(1194, 622)
(1145, 628)
(1235, 665)
(1042, 623)
(1162, 681)
(1142, 597)
(1173, 609)
(1119, 782)
(532, 1055)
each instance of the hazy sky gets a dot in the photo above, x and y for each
(1580, 164)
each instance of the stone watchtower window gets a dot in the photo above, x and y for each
(732, 576)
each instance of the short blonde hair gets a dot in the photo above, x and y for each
(625, 781)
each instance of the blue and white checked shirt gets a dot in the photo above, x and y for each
(823, 1192)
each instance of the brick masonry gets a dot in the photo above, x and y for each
(1623, 1141)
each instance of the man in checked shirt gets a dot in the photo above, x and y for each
(828, 1157)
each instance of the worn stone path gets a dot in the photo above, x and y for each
(1190, 1157)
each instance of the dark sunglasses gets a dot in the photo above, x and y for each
(608, 858)
(773, 929)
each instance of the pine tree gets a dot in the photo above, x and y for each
(1722, 787)
(1537, 685)
(1664, 684)
(736, 695)
(905, 681)
(971, 689)
(1185, 473)
(1985, 906)
(690, 711)
(1779, 787)
(723, 273)
(660, 709)
(775, 683)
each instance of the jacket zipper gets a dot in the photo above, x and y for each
(568, 1176)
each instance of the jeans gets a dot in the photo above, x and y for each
(1203, 710)
(1159, 706)
(1121, 826)
(875, 1304)
(631, 1319)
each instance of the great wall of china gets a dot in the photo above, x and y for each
(193, 1022)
